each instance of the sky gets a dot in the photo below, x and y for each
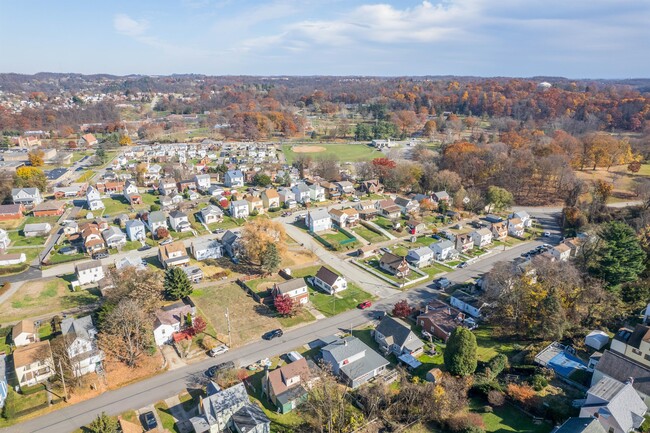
(521, 38)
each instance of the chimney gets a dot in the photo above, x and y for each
(345, 342)
(630, 380)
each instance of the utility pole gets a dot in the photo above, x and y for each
(229, 336)
(65, 392)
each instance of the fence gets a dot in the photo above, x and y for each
(250, 291)
(351, 238)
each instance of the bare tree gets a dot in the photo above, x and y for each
(127, 332)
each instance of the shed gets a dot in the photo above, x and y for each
(597, 339)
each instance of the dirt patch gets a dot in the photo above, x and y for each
(308, 149)
(298, 258)
(119, 374)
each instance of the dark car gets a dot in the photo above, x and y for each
(217, 231)
(272, 334)
(212, 371)
(98, 256)
(364, 305)
(150, 422)
(144, 248)
(462, 265)
(436, 237)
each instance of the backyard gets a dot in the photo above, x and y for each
(369, 235)
(508, 418)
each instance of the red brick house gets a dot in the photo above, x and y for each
(440, 319)
(49, 208)
(11, 212)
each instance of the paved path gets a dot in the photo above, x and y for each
(380, 230)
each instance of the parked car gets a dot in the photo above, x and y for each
(167, 241)
(150, 422)
(462, 265)
(144, 248)
(441, 283)
(98, 256)
(217, 231)
(219, 350)
(547, 234)
(436, 237)
(273, 334)
(212, 371)
(356, 199)
(384, 249)
(364, 305)
(294, 356)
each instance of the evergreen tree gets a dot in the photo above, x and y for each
(460, 353)
(177, 285)
(270, 259)
(620, 259)
(104, 424)
(552, 318)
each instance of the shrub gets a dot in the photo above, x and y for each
(487, 409)
(9, 409)
(496, 398)
(538, 382)
(462, 423)
(29, 390)
(497, 365)
(208, 342)
(523, 394)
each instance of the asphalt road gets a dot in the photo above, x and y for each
(173, 382)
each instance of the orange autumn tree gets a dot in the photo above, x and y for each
(257, 235)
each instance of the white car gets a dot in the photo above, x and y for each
(547, 234)
(356, 199)
(219, 350)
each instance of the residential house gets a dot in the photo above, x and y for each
(211, 214)
(615, 405)
(130, 188)
(388, 209)
(524, 217)
(114, 237)
(203, 249)
(49, 208)
(80, 339)
(500, 230)
(286, 386)
(270, 198)
(33, 363)
(482, 237)
(580, 425)
(203, 182)
(295, 288)
(38, 229)
(332, 191)
(467, 303)
(3, 379)
(345, 187)
(420, 257)
(135, 230)
(633, 343)
(170, 319)
(372, 186)
(93, 199)
(344, 217)
(441, 196)
(440, 320)
(71, 228)
(92, 239)
(617, 366)
(255, 204)
(12, 259)
(155, 220)
(464, 243)
(26, 196)
(10, 212)
(131, 193)
(153, 172)
(179, 221)
(395, 336)
(561, 252)
(194, 273)
(316, 193)
(444, 250)
(516, 227)
(407, 206)
(234, 179)
(329, 281)
(353, 361)
(231, 243)
(24, 333)
(186, 185)
(4, 240)
(131, 260)
(167, 186)
(87, 140)
(229, 410)
(89, 272)
(239, 209)
(574, 244)
(172, 255)
(416, 227)
(301, 192)
(395, 265)
(109, 187)
(318, 220)
(165, 201)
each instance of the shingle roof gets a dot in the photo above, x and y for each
(82, 327)
(290, 285)
(26, 355)
(396, 330)
(581, 425)
(621, 368)
(327, 275)
(22, 326)
(91, 264)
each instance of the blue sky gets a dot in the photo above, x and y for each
(571, 38)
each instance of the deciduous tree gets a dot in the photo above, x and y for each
(126, 333)
(284, 305)
(402, 309)
(498, 198)
(36, 158)
(30, 177)
(258, 234)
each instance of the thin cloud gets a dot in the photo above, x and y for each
(128, 26)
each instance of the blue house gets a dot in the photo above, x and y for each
(234, 178)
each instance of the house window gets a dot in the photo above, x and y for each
(636, 351)
(647, 357)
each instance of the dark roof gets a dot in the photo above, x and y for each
(640, 333)
(10, 208)
(391, 259)
(249, 417)
(621, 368)
(327, 275)
(581, 425)
(229, 237)
(623, 335)
(394, 330)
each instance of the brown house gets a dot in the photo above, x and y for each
(372, 186)
(396, 265)
(49, 208)
(11, 211)
(440, 319)
(110, 187)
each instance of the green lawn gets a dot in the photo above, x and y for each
(374, 264)
(180, 235)
(343, 152)
(86, 176)
(18, 240)
(387, 225)
(489, 346)
(430, 361)
(434, 269)
(369, 235)
(115, 206)
(334, 237)
(57, 258)
(280, 423)
(166, 417)
(508, 418)
(343, 301)
(303, 316)
(36, 220)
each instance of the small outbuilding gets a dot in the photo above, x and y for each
(597, 339)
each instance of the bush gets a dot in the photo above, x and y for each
(484, 388)
(154, 207)
(274, 209)
(487, 409)
(496, 398)
(29, 390)
(496, 365)
(9, 409)
(538, 382)
(464, 422)
(208, 342)
(523, 394)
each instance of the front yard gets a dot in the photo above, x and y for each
(369, 235)
(346, 300)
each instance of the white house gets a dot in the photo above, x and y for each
(155, 220)
(318, 220)
(443, 250)
(203, 249)
(270, 198)
(114, 237)
(211, 214)
(524, 217)
(561, 252)
(234, 178)
(26, 196)
(89, 272)
(170, 319)
(301, 192)
(135, 230)
(481, 237)
(316, 192)
(24, 333)
(296, 289)
(37, 229)
(202, 181)
(94, 199)
(420, 257)
(167, 186)
(80, 338)
(516, 227)
(467, 303)
(616, 405)
(239, 208)
(329, 281)
(130, 188)
(33, 363)
(4, 239)
(179, 221)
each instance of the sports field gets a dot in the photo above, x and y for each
(343, 152)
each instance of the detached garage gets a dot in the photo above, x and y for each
(597, 339)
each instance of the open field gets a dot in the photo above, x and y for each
(343, 152)
(369, 235)
(623, 180)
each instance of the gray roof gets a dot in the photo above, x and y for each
(229, 237)
(238, 203)
(249, 417)
(112, 231)
(581, 425)
(396, 331)
(371, 361)
(401, 201)
(38, 227)
(607, 388)
(177, 214)
(223, 400)
(301, 187)
(612, 398)
(134, 223)
(319, 214)
(234, 173)
(621, 368)
(290, 285)
(443, 244)
(441, 194)
(90, 264)
(419, 252)
(156, 216)
(82, 327)
(211, 209)
(30, 191)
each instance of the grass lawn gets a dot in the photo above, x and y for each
(374, 264)
(430, 361)
(369, 235)
(18, 240)
(35, 220)
(400, 250)
(346, 300)
(165, 415)
(180, 235)
(343, 152)
(114, 206)
(57, 258)
(387, 225)
(334, 237)
(227, 223)
(4, 339)
(489, 347)
(303, 316)
(85, 176)
(508, 418)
